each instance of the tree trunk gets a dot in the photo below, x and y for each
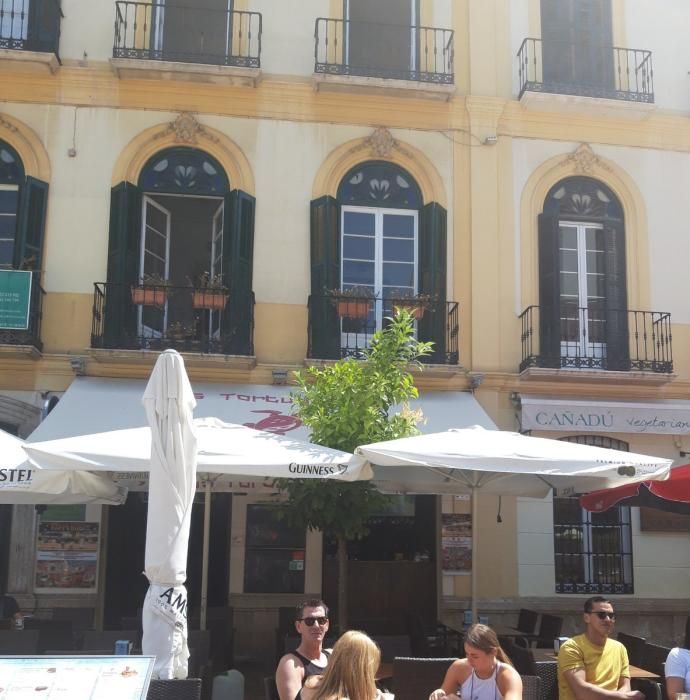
(342, 584)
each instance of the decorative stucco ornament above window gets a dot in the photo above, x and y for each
(584, 161)
(381, 144)
(186, 129)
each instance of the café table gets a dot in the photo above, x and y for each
(548, 655)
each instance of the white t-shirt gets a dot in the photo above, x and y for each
(678, 666)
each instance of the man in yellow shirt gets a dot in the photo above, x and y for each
(591, 666)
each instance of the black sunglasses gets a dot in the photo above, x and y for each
(603, 615)
(311, 621)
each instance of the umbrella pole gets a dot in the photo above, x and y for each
(475, 533)
(204, 563)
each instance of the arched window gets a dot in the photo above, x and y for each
(11, 178)
(592, 551)
(183, 171)
(582, 277)
(378, 238)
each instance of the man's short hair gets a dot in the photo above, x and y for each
(311, 603)
(591, 602)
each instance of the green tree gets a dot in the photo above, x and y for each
(345, 405)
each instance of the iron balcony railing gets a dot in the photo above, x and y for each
(597, 338)
(154, 31)
(156, 317)
(583, 69)
(342, 326)
(30, 25)
(32, 334)
(424, 54)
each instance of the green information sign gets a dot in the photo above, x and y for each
(15, 299)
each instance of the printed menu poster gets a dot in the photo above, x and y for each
(72, 678)
(66, 555)
(456, 543)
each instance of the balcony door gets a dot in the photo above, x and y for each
(381, 37)
(195, 31)
(577, 45)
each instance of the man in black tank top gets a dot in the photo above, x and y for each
(309, 659)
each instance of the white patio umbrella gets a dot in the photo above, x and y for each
(169, 402)
(22, 484)
(474, 460)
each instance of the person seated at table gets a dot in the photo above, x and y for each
(486, 674)
(9, 609)
(351, 672)
(677, 669)
(591, 666)
(309, 658)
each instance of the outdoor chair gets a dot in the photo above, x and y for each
(270, 688)
(548, 673)
(176, 689)
(549, 628)
(652, 689)
(531, 688)
(13, 642)
(52, 634)
(522, 658)
(439, 640)
(654, 658)
(415, 678)
(634, 646)
(527, 621)
(94, 640)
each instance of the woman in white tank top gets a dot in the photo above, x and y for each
(485, 674)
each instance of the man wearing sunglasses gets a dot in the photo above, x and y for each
(309, 658)
(591, 666)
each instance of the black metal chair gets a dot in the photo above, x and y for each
(654, 658)
(522, 658)
(182, 689)
(527, 621)
(531, 687)
(548, 672)
(270, 688)
(415, 678)
(437, 641)
(634, 646)
(549, 628)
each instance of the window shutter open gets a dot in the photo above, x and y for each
(617, 344)
(432, 277)
(28, 250)
(549, 292)
(123, 263)
(238, 261)
(325, 274)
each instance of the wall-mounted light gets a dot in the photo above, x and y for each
(490, 140)
(78, 364)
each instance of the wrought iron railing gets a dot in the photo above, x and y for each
(582, 69)
(188, 319)
(154, 31)
(30, 25)
(597, 338)
(342, 326)
(430, 58)
(32, 334)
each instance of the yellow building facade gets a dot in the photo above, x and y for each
(523, 179)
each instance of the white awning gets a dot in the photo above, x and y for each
(663, 417)
(95, 405)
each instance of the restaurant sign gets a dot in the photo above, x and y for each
(652, 417)
(15, 299)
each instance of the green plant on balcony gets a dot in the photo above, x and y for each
(210, 292)
(352, 302)
(152, 290)
(179, 331)
(415, 304)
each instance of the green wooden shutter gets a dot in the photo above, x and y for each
(549, 292)
(432, 250)
(325, 274)
(617, 344)
(238, 261)
(28, 249)
(120, 321)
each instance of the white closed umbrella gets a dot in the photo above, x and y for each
(22, 484)
(169, 402)
(474, 460)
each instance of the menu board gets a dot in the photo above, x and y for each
(456, 543)
(66, 555)
(75, 677)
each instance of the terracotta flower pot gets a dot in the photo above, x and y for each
(352, 308)
(148, 296)
(215, 301)
(417, 312)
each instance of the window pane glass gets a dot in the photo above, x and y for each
(568, 260)
(569, 285)
(595, 261)
(398, 275)
(358, 272)
(568, 237)
(594, 238)
(396, 249)
(6, 252)
(8, 223)
(358, 247)
(596, 286)
(398, 225)
(274, 571)
(358, 222)
(8, 201)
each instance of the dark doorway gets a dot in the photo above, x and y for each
(381, 37)
(198, 31)
(5, 531)
(126, 585)
(577, 44)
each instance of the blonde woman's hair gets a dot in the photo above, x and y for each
(351, 670)
(482, 637)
